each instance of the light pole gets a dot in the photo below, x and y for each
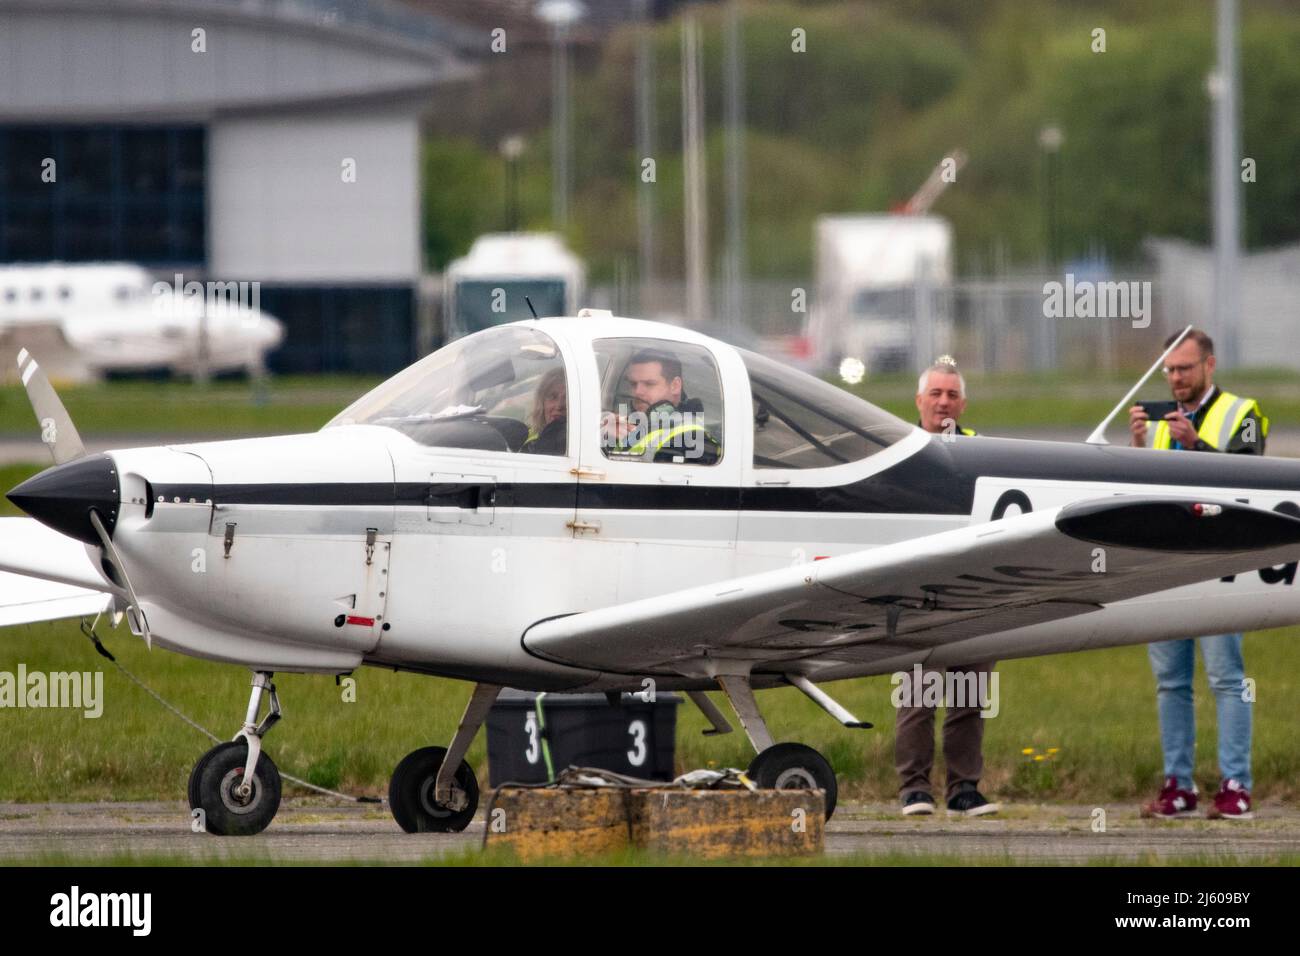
(1050, 139)
(1225, 185)
(512, 147)
(560, 15)
(645, 149)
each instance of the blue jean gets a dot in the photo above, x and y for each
(1174, 663)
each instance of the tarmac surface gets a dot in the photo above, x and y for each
(310, 830)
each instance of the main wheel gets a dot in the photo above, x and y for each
(214, 786)
(411, 789)
(794, 767)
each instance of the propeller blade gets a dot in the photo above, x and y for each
(57, 430)
(110, 552)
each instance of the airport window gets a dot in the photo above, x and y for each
(803, 422)
(661, 401)
(131, 193)
(503, 389)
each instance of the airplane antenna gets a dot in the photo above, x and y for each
(530, 306)
(1098, 437)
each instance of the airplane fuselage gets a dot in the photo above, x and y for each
(382, 551)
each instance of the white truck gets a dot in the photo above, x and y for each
(487, 286)
(882, 291)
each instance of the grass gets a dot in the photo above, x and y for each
(1097, 708)
(284, 405)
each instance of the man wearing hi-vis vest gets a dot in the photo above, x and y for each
(1208, 419)
(663, 424)
(940, 402)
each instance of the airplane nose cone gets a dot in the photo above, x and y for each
(62, 497)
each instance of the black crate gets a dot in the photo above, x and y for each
(634, 737)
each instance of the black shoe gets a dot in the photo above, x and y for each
(969, 802)
(918, 802)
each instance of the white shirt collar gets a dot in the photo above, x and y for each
(1195, 408)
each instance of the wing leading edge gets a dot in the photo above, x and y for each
(45, 576)
(899, 599)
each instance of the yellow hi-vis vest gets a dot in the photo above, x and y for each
(1220, 423)
(663, 436)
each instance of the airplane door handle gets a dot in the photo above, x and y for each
(671, 479)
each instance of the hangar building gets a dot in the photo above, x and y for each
(264, 140)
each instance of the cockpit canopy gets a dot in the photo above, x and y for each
(505, 389)
(484, 392)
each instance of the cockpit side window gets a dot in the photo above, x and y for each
(503, 389)
(661, 401)
(803, 422)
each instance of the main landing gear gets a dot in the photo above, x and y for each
(784, 766)
(235, 787)
(433, 790)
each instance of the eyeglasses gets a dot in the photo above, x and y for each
(1181, 369)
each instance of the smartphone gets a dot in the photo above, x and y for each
(1158, 410)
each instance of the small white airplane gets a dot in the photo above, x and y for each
(592, 502)
(116, 317)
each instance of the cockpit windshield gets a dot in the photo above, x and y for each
(803, 422)
(502, 389)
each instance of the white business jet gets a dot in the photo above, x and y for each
(115, 317)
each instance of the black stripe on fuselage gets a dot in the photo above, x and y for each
(938, 479)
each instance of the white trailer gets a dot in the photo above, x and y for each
(882, 290)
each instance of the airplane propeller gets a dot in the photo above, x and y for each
(57, 431)
(71, 496)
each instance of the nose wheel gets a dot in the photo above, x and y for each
(235, 785)
(233, 803)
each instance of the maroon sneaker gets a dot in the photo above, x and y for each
(1232, 802)
(1172, 803)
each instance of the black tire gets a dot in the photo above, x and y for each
(212, 789)
(410, 794)
(795, 767)
(192, 791)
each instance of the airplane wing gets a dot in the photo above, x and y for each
(25, 600)
(45, 576)
(916, 595)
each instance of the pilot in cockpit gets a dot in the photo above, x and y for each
(663, 424)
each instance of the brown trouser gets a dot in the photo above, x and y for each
(963, 736)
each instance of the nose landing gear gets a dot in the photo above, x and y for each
(235, 786)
